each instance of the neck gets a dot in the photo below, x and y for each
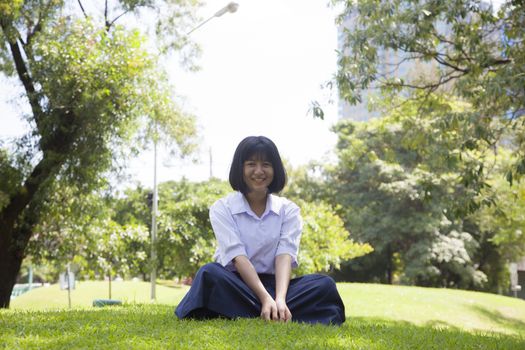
(256, 198)
(257, 201)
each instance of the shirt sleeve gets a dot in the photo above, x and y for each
(290, 233)
(228, 238)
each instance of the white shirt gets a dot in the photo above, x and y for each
(239, 231)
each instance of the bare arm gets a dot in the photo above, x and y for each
(250, 277)
(283, 271)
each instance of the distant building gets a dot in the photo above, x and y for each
(387, 66)
(391, 64)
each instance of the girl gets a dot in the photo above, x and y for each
(258, 236)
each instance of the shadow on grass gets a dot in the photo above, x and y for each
(154, 326)
(516, 325)
(439, 324)
(388, 334)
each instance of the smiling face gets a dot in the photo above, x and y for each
(257, 174)
(257, 165)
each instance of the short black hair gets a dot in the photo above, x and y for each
(259, 146)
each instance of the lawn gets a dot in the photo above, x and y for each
(378, 317)
(130, 292)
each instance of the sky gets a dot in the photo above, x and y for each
(261, 68)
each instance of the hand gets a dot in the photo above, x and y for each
(269, 309)
(284, 314)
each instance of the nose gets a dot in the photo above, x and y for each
(258, 168)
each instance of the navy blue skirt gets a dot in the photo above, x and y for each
(217, 292)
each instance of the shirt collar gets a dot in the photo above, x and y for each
(240, 204)
(275, 203)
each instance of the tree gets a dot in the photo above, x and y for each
(476, 53)
(85, 231)
(117, 249)
(308, 183)
(185, 237)
(399, 188)
(325, 243)
(88, 82)
(67, 228)
(499, 228)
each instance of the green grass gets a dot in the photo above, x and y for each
(378, 317)
(52, 297)
(435, 307)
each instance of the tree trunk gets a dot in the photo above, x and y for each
(10, 262)
(17, 221)
(389, 267)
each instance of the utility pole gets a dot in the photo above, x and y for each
(230, 8)
(154, 206)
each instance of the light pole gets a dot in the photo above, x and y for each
(154, 205)
(231, 8)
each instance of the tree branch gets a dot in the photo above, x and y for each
(395, 65)
(82, 8)
(19, 201)
(442, 39)
(38, 26)
(55, 150)
(106, 21)
(25, 78)
(450, 65)
(432, 86)
(108, 26)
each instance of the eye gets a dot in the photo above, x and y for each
(249, 163)
(267, 165)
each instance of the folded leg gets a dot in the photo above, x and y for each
(315, 299)
(217, 292)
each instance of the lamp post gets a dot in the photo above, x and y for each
(231, 8)
(154, 207)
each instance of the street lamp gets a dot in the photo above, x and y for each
(231, 8)
(154, 205)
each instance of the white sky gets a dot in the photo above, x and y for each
(261, 68)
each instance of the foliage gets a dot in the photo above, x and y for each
(89, 82)
(499, 227)
(465, 102)
(67, 225)
(325, 243)
(506, 221)
(10, 177)
(80, 231)
(67, 231)
(470, 49)
(133, 207)
(118, 249)
(399, 187)
(307, 183)
(185, 237)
